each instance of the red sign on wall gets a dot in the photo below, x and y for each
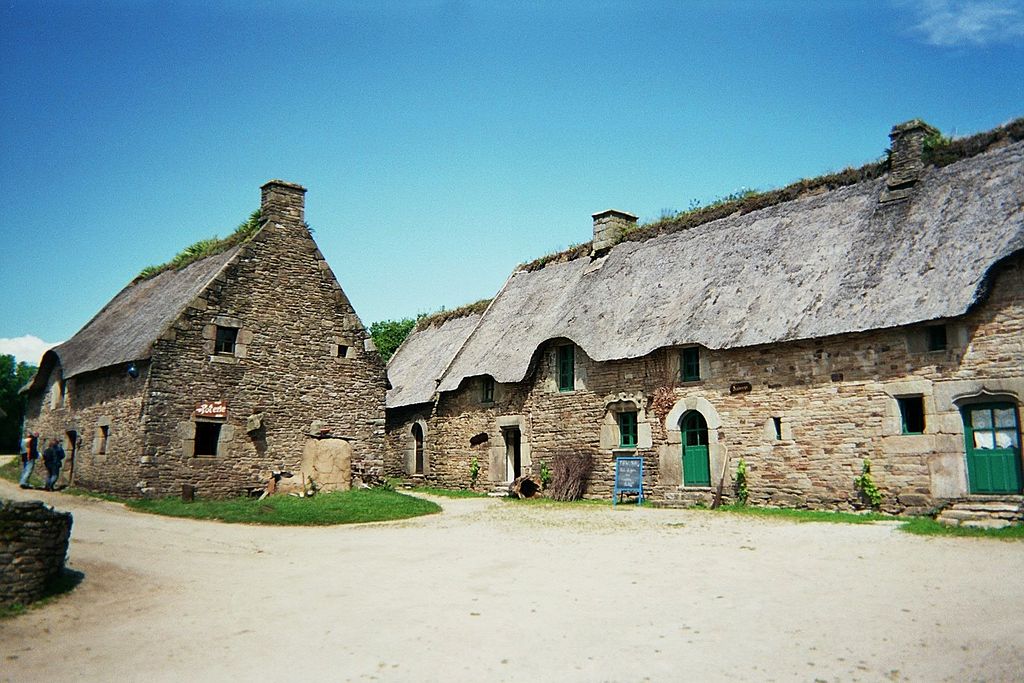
(212, 409)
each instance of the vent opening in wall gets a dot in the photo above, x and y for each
(936, 337)
(478, 439)
(103, 432)
(777, 424)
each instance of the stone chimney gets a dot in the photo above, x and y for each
(609, 226)
(906, 160)
(283, 202)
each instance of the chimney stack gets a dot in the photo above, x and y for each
(609, 226)
(283, 202)
(906, 159)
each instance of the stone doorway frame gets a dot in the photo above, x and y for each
(670, 460)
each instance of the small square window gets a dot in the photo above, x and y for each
(487, 390)
(936, 335)
(341, 351)
(689, 364)
(227, 337)
(207, 437)
(911, 414)
(627, 429)
(566, 368)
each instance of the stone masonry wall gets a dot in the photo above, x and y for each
(835, 400)
(301, 367)
(87, 402)
(33, 546)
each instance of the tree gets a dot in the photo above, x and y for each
(389, 334)
(13, 376)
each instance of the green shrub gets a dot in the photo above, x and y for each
(865, 484)
(741, 483)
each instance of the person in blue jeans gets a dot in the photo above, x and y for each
(29, 455)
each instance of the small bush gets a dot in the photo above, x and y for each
(865, 484)
(741, 483)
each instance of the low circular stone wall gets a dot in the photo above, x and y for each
(33, 546)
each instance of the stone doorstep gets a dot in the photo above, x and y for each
(961, 515)
(989, 506)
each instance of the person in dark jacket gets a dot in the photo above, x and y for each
(56, 461)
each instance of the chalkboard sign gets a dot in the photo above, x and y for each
(629, 478)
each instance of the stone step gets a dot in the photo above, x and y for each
(993, 506)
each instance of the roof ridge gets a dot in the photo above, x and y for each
(939, 151)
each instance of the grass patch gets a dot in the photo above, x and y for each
(925, 526)
(808, 515)
(65, 582)
(341, 507)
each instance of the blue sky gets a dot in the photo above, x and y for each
(442, 143)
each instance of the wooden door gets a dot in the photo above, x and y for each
(696, 465)
(992, 435)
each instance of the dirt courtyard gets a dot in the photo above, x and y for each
(498, 591)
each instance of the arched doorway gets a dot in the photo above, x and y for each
(694, 432)
(417, 435)
(992, 438)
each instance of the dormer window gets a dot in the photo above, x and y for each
(227, 337)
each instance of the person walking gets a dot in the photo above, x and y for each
(30, 453)
(53, 465)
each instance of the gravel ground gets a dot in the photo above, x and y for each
(496, 591)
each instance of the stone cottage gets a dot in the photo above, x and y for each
(872, 315)
(217, 373)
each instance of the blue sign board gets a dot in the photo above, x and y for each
(629, 478)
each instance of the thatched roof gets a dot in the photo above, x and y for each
(829, 264)
(125, 329)
(421, 359)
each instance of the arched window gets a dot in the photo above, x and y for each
(417, 435)
(696, 466)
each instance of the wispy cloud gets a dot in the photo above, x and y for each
(958, 23)
(28, 348)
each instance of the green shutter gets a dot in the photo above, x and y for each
(627, 429)
(566, 369)
(689, 364)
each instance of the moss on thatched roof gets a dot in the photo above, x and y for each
(204, 248)
(443, 316)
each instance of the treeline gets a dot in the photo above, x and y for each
(13, 376)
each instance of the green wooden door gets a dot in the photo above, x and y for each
(992, 436)
(696, 469)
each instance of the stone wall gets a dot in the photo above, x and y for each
(33, 546)
(76, 410)
(303, 367)
(803, 415)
